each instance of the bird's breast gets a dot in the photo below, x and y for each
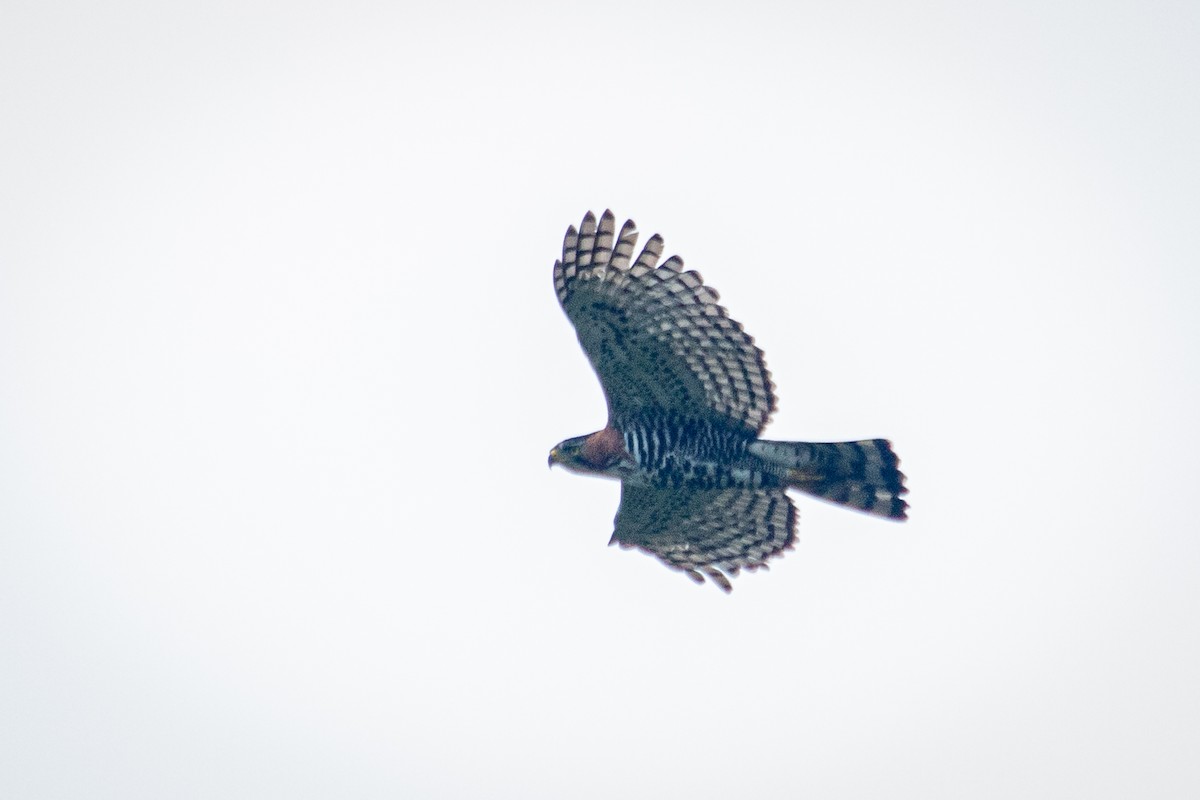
(693, 454)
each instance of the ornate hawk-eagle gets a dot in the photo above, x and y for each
(688, 395)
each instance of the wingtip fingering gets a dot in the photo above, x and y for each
(648, 258)
(718, 577)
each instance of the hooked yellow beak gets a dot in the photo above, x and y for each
(553, 457)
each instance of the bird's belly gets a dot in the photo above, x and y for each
(686, 471)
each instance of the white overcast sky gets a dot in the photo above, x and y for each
(280, 363)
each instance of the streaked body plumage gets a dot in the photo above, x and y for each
(688, 396)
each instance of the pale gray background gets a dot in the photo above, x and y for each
(280, 364)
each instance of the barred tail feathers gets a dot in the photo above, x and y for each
(861, 475)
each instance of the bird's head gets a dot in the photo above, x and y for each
(599, 453)
(570, 453)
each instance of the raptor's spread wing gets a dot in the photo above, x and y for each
(656, 336)
(713, 533)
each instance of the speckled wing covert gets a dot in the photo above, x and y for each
(713, 533)
(656, 336)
